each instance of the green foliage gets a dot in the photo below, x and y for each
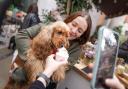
(62, 4)
(1, 1)
(11, 7)
(118, 29)
(47, 18)
(122, 37)
(77, 5)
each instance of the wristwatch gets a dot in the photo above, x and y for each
(44, 77)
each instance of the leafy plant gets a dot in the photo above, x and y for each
(76, 5)
(47, 17)
(62, 5)
(118, 29)
(123, 38)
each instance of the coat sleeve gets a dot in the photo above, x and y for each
(23, 39)
(37, 85)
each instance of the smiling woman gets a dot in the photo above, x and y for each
(83, 22)
(79, 24)
(77, 27)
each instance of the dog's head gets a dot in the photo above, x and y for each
(51, 37)
(60, 33)
(57, 33)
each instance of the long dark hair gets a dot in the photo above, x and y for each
(33, 8)
(85, 36)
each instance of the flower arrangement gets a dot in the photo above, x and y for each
(88, 53)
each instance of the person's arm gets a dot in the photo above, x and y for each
(113, 83)
(23, 39)
(51, 66)
(38, 84)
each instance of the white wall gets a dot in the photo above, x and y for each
(116, 21)
(47, 5)
(95, 17)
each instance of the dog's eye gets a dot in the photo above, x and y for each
(59, 33)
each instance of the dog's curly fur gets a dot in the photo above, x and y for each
(49, 39)
(45, 43)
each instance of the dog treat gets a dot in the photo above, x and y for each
(61, 54)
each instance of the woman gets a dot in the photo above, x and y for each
(32, 17)
(80, 26)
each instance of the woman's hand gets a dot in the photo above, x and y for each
(52, 65)
(113, 83)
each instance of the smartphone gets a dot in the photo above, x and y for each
(105, 59)
(87, 70)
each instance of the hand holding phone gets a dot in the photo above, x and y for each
(106, 53)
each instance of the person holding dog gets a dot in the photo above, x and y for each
(80, 27)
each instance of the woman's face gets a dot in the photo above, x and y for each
(77, 27)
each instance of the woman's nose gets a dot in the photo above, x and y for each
(74, 30)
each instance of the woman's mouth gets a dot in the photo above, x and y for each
(72, 34)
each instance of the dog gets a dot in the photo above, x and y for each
(47, 41)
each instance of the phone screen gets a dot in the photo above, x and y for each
(107, 57)
(87, 70)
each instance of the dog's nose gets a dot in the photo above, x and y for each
(62, 45)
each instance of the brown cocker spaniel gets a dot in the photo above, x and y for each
(45, 43)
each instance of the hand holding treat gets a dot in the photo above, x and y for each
(61, 54)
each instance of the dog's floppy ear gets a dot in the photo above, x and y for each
(45, 33)
(41, 44)
(44, 36)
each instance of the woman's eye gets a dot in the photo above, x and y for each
(74, 24)
(79, 30)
